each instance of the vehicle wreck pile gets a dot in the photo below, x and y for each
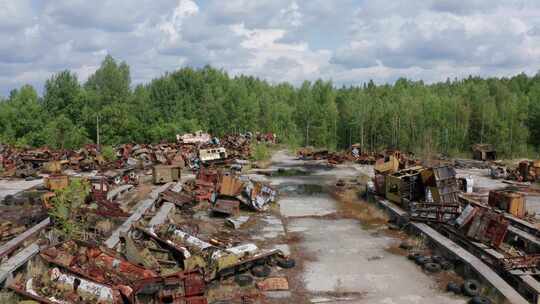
(29, 163)
(91, 239)
(498, 231)
(354, 154)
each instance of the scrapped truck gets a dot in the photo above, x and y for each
(56, 286)
(213, 155)
(116, 276)
(212, 260)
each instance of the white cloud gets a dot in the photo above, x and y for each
(172, 26)
(348, 41)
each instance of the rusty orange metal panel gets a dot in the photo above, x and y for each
(230, 186)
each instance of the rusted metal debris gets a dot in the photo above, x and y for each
(99, 265)
(20, 212)
(152, 261)
(215, 262)
(522, 265)
(162, 174)
(484, 152)
(510, 201)
(59, 287)
(27, 163)
(273, 284)
(226, 207)
(487, 227)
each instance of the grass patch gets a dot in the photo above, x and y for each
(9, 297)
(260, 152)
(108, 153)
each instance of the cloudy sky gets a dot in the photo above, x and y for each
(347, 41)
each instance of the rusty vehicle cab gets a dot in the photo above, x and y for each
(162, 174)
(404, 186)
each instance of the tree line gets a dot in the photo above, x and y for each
(446, 117)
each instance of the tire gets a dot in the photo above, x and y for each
(447, 265)
(243, 280)
(285, 263)
(480, 300)
(471, 288)
(437, 259)
(421, 260)
(9, 199)
(453, 287)
(261, 271)
(412, 256)
(432, 267)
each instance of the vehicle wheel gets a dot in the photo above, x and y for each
(480, 300)
(412, 256)
(263, 261)
(285, 263)
(8, 199)
(261, 271)
(432, 267)
(437, 259)
(421, 260)
(243, 280)
(471, 288)
(453, 287)
(447, 265)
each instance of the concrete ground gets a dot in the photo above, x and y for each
(339, 259)
(11, 187)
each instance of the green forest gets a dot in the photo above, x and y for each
(446, 117)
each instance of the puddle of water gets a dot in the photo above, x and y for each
(281, 172)
(301, 189)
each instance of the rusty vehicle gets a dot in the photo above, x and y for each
(484, 152)
(56, 286)
(214, 262)
(198, 137)
(104, 266)
(162, 174)
(127, 175)
(213, 155)
(512, 202)
(404, 186)
(312, 153)
(97, 264)
(483, 225)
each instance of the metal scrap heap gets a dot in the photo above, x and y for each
(186, 152)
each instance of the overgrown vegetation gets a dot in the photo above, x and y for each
(65, 205)
(445, 117)
(108, 153)
(8, 297)
(260, 152)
